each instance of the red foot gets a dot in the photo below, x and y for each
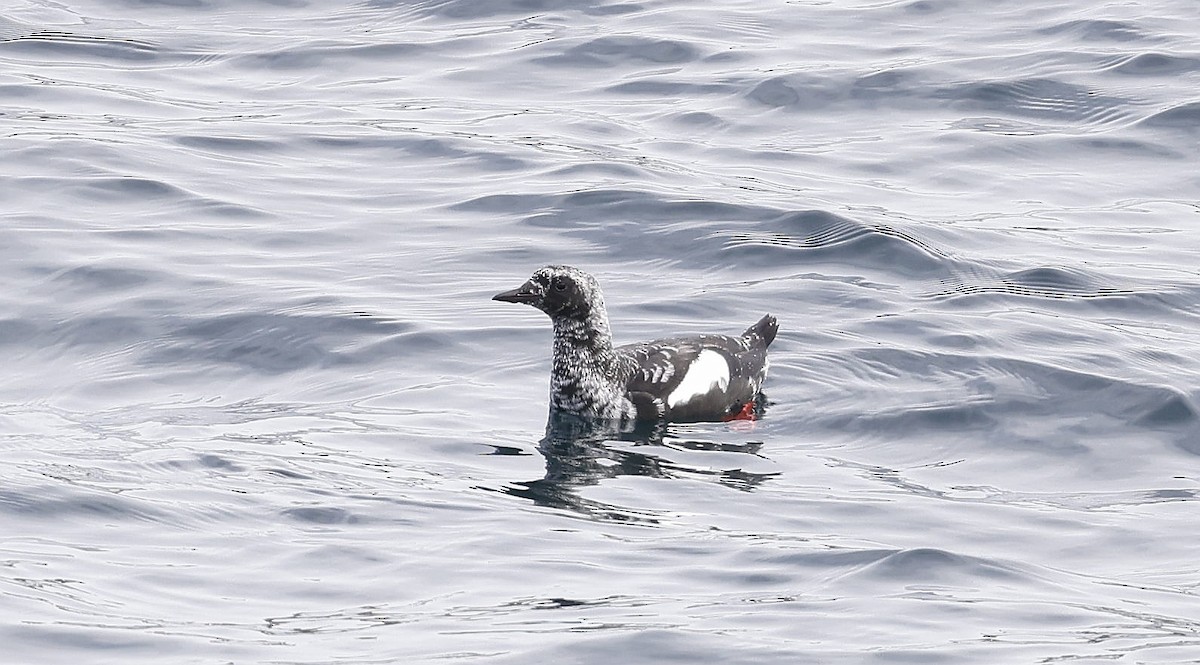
(747, 413)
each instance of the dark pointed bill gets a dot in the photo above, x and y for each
(526, 292)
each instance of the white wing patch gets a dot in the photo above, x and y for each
(709, 370)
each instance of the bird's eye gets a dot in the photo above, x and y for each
(559, 284)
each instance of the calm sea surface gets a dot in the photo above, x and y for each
(257, 406)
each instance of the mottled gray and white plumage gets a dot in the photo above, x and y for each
(681, 379)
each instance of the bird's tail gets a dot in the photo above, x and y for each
(763, 332)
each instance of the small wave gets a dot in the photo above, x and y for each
(1041, 98)
(99, 278)
(228, 144)
(622, 51)
(1081, 501)
(666, 87)
(1183, 116)
(463, 150)
(15, 35)
(322, 515)
(278, 343)
(1001, 388)
(125, 190)
(1052, 282)
(478, 9)
(818, 232)
(797, 91)
(1171, 410)
(929, 6)
(322, 54)
(122, 187)
(698, 119)
(1098, 30)
(66, 502)
(934, 565)
(1156, 64)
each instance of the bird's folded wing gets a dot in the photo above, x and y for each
(658, 368)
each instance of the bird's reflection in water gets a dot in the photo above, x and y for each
(580, 453)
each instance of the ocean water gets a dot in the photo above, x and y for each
(258, 406)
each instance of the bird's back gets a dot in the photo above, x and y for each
(702, 377)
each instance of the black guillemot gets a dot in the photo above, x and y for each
(679, 379)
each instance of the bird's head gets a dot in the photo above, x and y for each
(562, 292)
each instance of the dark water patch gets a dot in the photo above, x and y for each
(57, 503)
(1171, 495)
(17, 332)
(1128, 147)
(925, 7)
(88, 642)
(101, 330)
(24, 91)
(118, 191)
(958, 417)
(641, 226)
(818, 235)
(1047, 391)
(228, 144)
(585, 209)
(127, 187)
(1053, 282)
(214, 461)
(802, 92)
(114, 190)
(95, 278)
(667, 87)
(270, 343)
(190, 4)
(477, 9)
(1183, 116)
(646, 225)
(54, 46)
(1157, 64)
(1052, 279)
(326, 54)
(813, 92)
(322, 515)
(1042, 98)
(507, 203)
(288, 473)
(698, 119)
(211, 4)
(228, 210)
(634, 204)
(17, 37)
(894, 86)
(598, 168)
(462, 151)
(196, 461)
(1098, 30)
(1172, 410)
(623, 51)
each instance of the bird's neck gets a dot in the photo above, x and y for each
(587, 377)
(582, 338)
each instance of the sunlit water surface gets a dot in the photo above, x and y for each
(258, 406)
